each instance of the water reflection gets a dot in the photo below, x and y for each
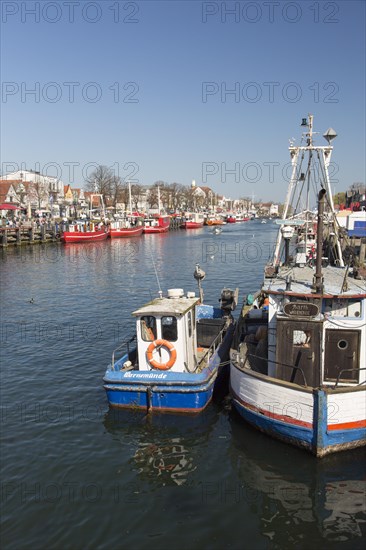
(164, 449)
(170, 459)
(315, 499)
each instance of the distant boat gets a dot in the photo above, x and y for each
(193, 220)
(263, 221)
(130, 227)
(159, 224)
(175, 359)
(214, 221)
(82, 232)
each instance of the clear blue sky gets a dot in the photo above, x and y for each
(167, 124)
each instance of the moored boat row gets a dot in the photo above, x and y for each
(83, 231)
(296, 368)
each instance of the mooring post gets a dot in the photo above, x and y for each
(5, 237)
(362, 252)
(18, 236)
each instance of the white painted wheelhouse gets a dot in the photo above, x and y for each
(334, 338)
(172, 320)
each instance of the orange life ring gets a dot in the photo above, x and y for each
(161, 343)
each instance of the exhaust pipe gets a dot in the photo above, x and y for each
(318, 278)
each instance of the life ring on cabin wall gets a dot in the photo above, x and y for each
(165, 344)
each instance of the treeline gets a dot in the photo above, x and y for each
(172, 195)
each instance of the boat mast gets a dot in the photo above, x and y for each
(310, 144)
(130, 197)
(324, 155)
(294, 152)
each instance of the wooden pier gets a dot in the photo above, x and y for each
(29, 234)
(175, 223)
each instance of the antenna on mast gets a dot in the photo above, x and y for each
(309, 124)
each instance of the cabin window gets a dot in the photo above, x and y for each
(343, 308)
(169, 329)
(148, 328)
(301, 338)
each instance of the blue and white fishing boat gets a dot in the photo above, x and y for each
(176, 357)
(297, 371)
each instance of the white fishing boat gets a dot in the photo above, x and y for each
(297, 371)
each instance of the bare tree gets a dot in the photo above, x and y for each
(357, 187)
(118, 191)
(37, 192)
(175, 195)
(152, 197)
(103, 181)
(189, 201)
(137, 193)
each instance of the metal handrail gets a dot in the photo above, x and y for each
(294, 367)
(126, 343)
(216, 342)
(346, 370)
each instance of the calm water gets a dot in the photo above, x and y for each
(76, 475)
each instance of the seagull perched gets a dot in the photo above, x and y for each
(199, 274)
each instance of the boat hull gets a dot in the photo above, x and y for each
(150, 230)
(322, 421)
(192, 225)
(214, 222)
(166, 391)
(82, 237)
(157, 225)
(126, 232)
(159, 396)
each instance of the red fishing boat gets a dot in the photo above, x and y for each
(231, 219)
(160, 224)
(126, 228)
(84, 232)
(192, 221)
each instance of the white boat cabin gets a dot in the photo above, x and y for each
(323, 335)
(166, 333)
(84, 226)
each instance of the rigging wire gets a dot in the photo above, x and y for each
(156, 273)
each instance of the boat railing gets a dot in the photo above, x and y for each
(211, 350)
(347, 370)
(294, 368)
(125, 344)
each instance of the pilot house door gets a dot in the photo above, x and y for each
(298, 351)
(342, 355)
